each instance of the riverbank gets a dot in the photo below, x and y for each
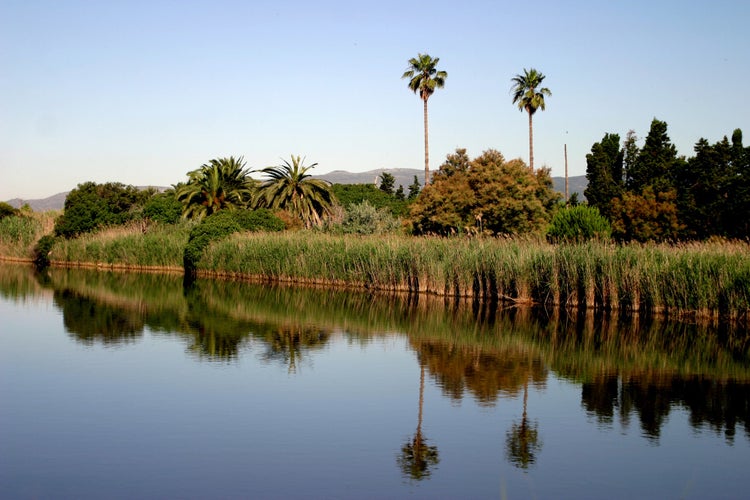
(708, 279)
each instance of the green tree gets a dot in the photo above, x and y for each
(604, 173)
(90, 206)
(387, 182)
(163, 207)
(399, 194)
(656, 161)
(529, 97)
(424, 78)
(223, 183)
(647, 216)
(289, 187)
(577, 224)
(414, 189)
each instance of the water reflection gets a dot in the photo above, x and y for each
(640, 369)
(418, 457)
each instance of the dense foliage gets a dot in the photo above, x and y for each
(484, 195)
(91, 206)
(353, 194)
(651, 193)
(578, 224)
(163, 207)
(289, 187)
(223, 183)
(222, 224)
(6, 210)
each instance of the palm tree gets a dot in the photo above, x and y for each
(223, 183)
(522, 440)
(528, 98)
(289, 187)
(424, 78)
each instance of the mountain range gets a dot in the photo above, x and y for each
(403, 176)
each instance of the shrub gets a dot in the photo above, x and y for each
(163, 207)
(363, 218)
(578, 224)
(42, 250)
(91, 206)
(222, 224)
(6, 210)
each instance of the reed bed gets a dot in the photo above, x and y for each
(19, 233)
(125, 247)
(706, 279)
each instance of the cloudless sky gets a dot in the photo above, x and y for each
(141, 92)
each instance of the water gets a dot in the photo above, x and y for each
(133, 386)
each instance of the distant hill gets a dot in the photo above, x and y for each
(403, 176)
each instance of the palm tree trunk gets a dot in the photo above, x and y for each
(531, 144)
(426, 149)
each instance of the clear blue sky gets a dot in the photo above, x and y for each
(141, 92)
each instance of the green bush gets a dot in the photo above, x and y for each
(163, 207)
(222, 224)
(42, 250)
(363, 218)
(577, 224)
(91, 206)
(6, 210)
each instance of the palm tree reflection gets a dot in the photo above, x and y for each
(522, 440)
(417, 457)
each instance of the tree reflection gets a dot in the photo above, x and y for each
(417, 457)
(522, 440)
(288, 344)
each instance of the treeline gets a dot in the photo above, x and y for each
(651, 193)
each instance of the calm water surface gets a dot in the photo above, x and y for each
(135, 386)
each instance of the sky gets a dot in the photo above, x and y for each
(142, 92)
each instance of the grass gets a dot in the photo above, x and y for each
(706, 279)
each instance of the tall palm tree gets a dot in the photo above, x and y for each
(223, 183)
(289, 187)
(424, 78)
(529, 97)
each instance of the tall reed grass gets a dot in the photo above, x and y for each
(18, 233)
(711, 278)
(132, 247)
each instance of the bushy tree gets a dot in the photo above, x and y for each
(414, 189)
(90, 206)
(163, 207)
(350, 194)
(490, 195)
(577, 224)
(648, 216)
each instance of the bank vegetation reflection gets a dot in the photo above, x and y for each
(627, 367)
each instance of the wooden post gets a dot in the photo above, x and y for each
(566, 175)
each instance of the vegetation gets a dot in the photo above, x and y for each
(222, 224)
(223, 183)
(578, 224)
(163, 208)
(92, 206)
(529, 97)
(289, 187)
(6, 210)
(705, 279)
(652, 194)
(354, 194)
(424, 78)
(484, 195)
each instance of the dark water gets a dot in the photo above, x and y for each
(134, 386)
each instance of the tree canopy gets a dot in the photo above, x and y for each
(484, 195)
